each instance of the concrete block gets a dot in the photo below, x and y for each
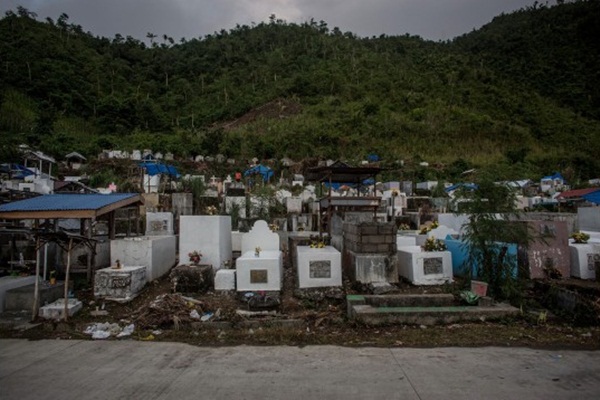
(56, 310)
(370, 268)
(402, 240)
(21, 298)
(122, 284)
(157, 253)
(319, 267)
(225, 279)
(13, 282)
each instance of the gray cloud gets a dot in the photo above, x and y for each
(430, 19)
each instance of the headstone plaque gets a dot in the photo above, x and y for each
(259, 276)
(320, 269)
(593, 260)
(433, 265)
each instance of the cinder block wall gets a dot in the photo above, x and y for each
(370, 237)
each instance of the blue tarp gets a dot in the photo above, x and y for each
(556, 175)
(17, 171)
(266, 172)
(155, 169)
(373, 158)
(338, 185)
(467, 186)
(593, 197)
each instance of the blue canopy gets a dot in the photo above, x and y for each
(266, 172)
(467, 186)
(17, 171)
(156, 168)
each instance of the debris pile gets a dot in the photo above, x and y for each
(168, 310)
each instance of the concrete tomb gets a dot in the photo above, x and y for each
(262, 270)
(319, 267)
(119, 284)
(156, 253)
(56, 310)
(584, 258)
(425, 267)
(208, 234)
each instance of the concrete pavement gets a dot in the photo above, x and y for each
(127, 369)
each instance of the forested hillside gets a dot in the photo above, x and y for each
(520, 95)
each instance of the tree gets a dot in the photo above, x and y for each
(492, 225)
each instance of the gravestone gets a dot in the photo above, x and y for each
(159, 224)
(584, 258)
(157, 253)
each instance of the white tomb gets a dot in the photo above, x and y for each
(208, 234)
(583, 260)
(159, 223)
(156, 253)
(318, 267)
(425, 267)
(265, 270)
(56, 310)
(122, 284)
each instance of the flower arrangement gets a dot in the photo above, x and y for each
(318, 242)
(273, 227)
(211, 210)
(195, 256)
(257, 251)
(433, 244)
(427, 228)
(404, 227)
(580, 237)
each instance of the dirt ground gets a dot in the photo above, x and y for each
(302, 318)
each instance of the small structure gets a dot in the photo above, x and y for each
(425, 267)
(208, 234)
(75, 160)
(318, 267)
(119, 283)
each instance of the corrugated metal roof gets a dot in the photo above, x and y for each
(569, 194)
(66, 202)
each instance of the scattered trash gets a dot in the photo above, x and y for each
(588, 334)
(148, 338)
(106, 330)
(556, 356)
(206, 316)
(127, 331)
(157, 332)
(194, 314)
(422, 326)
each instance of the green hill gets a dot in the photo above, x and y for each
(519, 96)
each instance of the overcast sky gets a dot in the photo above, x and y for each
(430, 19)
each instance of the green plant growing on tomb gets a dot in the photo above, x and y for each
(469, 297)
(492, 225)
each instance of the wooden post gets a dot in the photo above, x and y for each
(36, 290)
(66, 309)
(89, 250)
(111, 225)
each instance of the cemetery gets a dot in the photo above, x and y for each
(226, 253)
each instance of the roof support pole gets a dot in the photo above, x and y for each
(90, 252)
(66, 309)
(36, 288)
